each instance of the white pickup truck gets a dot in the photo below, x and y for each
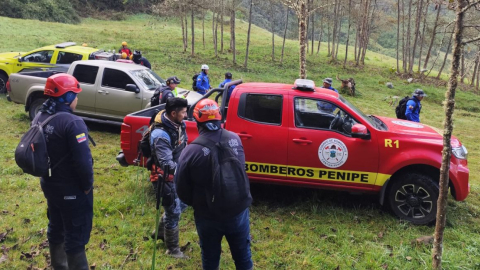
(111, 90)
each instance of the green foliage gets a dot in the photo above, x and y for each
(44, 10)
(291, 228)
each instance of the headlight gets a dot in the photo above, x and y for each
(460, 152)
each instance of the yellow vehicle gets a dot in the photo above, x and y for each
(56, 57)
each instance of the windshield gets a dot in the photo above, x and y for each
(358, 111)
(149, 78)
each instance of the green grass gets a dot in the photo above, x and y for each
(292, 228)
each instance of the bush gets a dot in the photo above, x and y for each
(44, 10)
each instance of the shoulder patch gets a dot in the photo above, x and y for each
(81, 137)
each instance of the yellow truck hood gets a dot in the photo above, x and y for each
(10, 55)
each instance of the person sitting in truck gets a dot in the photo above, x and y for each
(414, 106)
(228, 78)
(325, 106)
(140, 60)
(203, 83)
(125, 49)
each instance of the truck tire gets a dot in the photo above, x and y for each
(35, 107)
(3, 83)
(413, 197)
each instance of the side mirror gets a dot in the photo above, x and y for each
(20, 59)
(360, 131)
(132, 88)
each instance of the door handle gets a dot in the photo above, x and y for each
(302, 141)
(244, 135)
(106, 92)
(100, 91)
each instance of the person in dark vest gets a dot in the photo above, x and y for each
(140, 60)
(167, 140)
(69, 187)
(228, 78)
(163, 93)
(193, 180)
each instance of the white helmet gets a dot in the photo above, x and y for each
(204, 66)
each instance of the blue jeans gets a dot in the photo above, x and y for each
(237, 232)
(171, 217)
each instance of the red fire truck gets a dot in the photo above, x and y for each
(302, 135)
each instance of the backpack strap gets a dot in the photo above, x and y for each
(203, 141)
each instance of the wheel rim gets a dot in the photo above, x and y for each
(2, 85)
(414, 201)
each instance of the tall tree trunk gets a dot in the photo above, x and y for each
(284, 37)
(272, 16)
(449, 107)
(369, 23)
(348, 34)
(192, 21)
(417, 33)
(248, 34)
(313, 29)
(446, 57)
(475, 68)
(186, 29)
(320, 36)
(409, 34)
(221, 28)
(434, 32)
(232, 35)
(302, 14)
(404, 49)
(398, 33)
(203, 29)
(183, 35)
(462, 66)
(425, 15)
(339, 32)
(334, 30)
(215, 37)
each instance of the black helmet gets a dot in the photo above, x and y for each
(419, 93)
(173, 79)
(137, 54)
(228, 75)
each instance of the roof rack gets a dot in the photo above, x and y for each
(304, 85)
(65, 44)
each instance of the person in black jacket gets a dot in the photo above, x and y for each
(140, 60)
(168, 138)
(193, 181)
(69, 187)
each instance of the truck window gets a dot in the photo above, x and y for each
(320, 114)
(116, 78)
(39, 57)
(261, 108)
(68, 58)
(85, 73)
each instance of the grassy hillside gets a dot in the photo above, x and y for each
(292, 228)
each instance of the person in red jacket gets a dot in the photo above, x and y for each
(125, 49)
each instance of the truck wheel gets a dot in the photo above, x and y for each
(35, 107)
(413, 197)
(3, 83)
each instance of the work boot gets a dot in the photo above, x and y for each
(58, 257)
(161, 230)
(171, 241)
(78, 261)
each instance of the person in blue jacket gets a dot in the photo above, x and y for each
(69, 187)
(228, 78)
(323, 105)
(203, 83)
(414, 106)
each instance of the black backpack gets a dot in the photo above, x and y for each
(155, 99)
(194, 84)
(402, 108)
(31, 154)
(230, 185)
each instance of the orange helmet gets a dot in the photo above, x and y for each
(59, 84)
(124, 43)
(206, 110)
(124, 55)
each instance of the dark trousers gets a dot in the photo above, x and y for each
(70, 215)
(237, 232)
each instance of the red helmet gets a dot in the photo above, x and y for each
(206, 110)
(61, 83)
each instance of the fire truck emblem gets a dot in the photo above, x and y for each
(333, 153)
